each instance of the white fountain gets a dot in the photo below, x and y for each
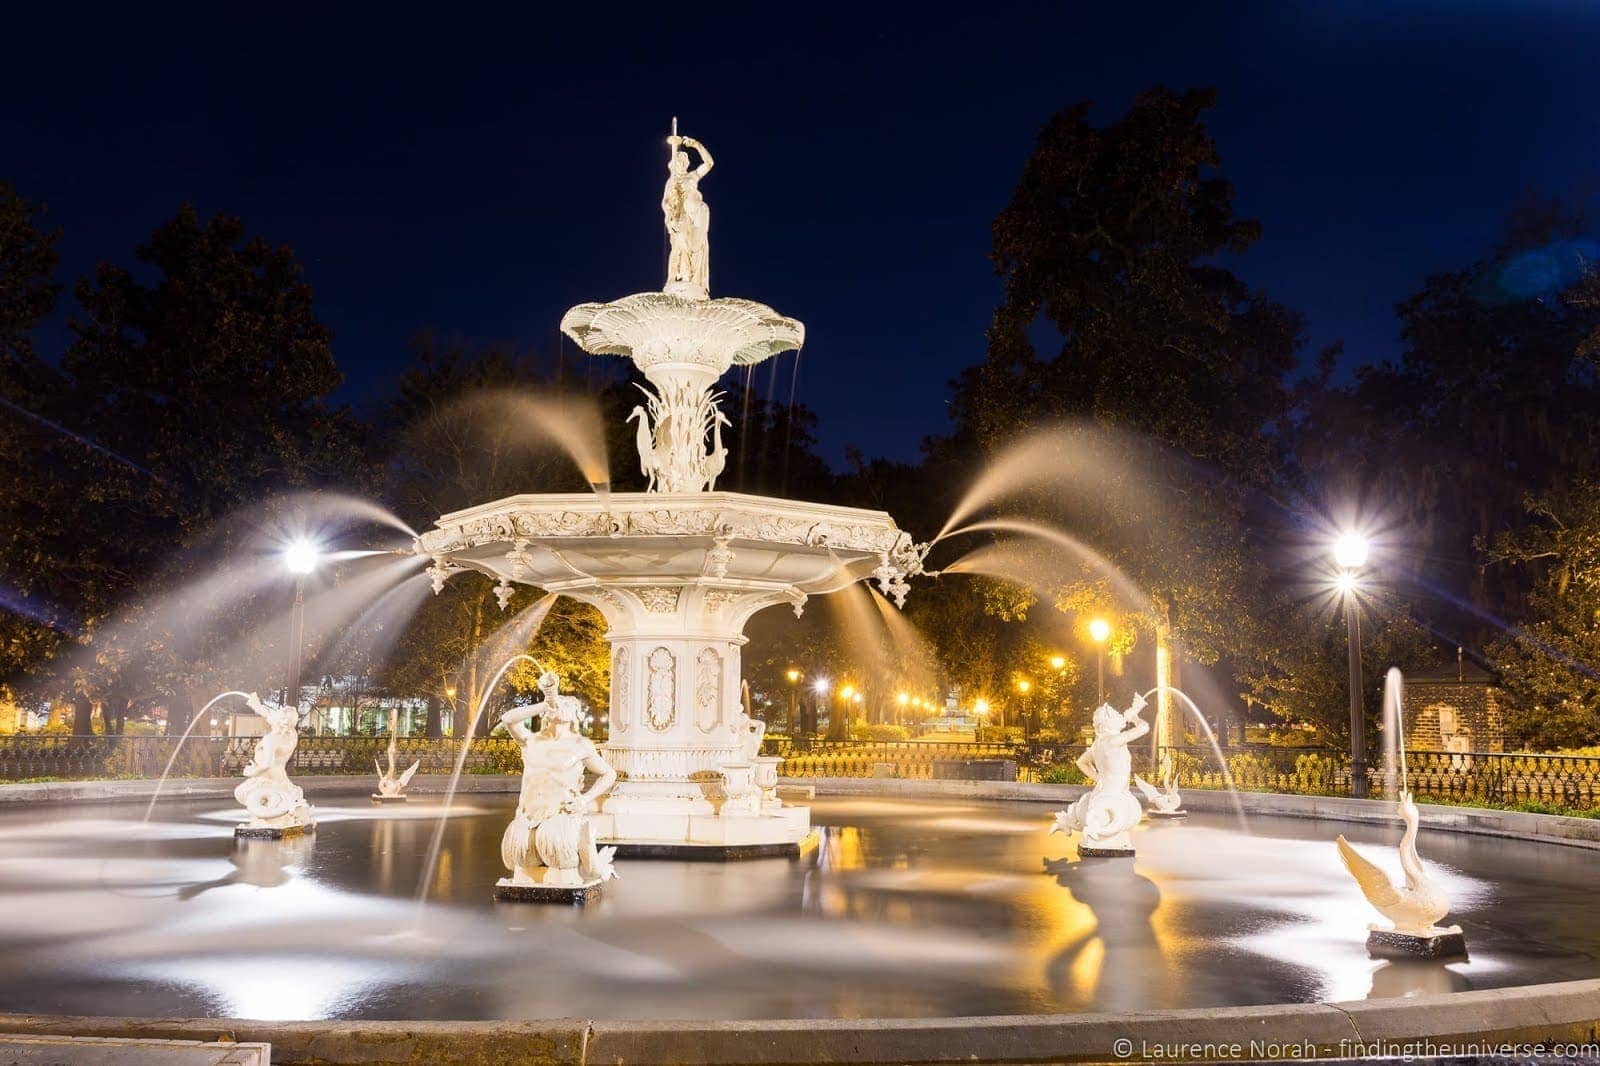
(1416, 905)
(1163, 802)
(392, 782)
(277, 806)
(678, 570)
(1107, 813)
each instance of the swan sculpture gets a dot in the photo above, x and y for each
(392, 786)
(1414, 908)
(1164, 802)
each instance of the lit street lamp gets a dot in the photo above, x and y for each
(1025, 687)
(1350, 554)
(1100, 632)
(299, 558)
(793, 676)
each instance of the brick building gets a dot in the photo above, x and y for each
(1453, 708)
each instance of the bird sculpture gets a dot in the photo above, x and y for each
(1414, 908)
(1165, 801)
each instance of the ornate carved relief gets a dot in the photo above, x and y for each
(716, 599)
(620, 711)
(658, 600)
(708, 690)
(669, 764)
(661, 700)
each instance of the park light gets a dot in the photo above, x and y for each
(1350, 551)
(821, 686)
(847, 691)
(981, 706)
(857, 698)
(1024, 685)
(301, 556)
(903, 699)
(1345, 582)
(1099, 631)
(1058, 662)
(793, 675)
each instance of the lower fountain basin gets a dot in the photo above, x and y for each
(908, 907)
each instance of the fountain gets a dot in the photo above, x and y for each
(1106, 813)
(392, 785)
(277, 806)
(1165, 801)
(679, 569)
(1415, 907)
(549, 845)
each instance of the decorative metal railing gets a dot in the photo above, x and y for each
(29, 756)
(1569, 782)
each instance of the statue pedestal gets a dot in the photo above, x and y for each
(508, 891)
(1086, 851)
(1167, 814)
(1391, 944)
(379, 797)
(272, 832)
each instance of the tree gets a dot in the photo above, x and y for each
(1164, 364)
(1546, 668)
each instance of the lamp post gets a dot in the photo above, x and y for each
(820, 687)
(1100, 632)
(299, 558)
(1350, 553)
(1025, 687)
(793, 676)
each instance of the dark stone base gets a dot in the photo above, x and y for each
(271, 832)
(579, 894)
(706, 852)
(1168, 814)
(1387, 944)
(378, 797)
(1104, 853)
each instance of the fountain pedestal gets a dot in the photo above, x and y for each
(1391, 944)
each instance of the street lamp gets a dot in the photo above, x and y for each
(1025, 687)
(299, 558)
(1100, 632)
(793, 675)
(1350, 552)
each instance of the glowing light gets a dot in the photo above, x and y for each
(301, 556)
(847, 691)
(1099, 630)
(1350, 551)
(903, 699)
(821, 685)
(1346, 582)
(793, 675)
(1058, 662)
(857, 698)
(1024, 685)
(981, 706)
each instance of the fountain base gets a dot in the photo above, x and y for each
(1085, 852)
(1390, 944)
(652, 833)
(508, 891)
(379, 797)
(271, 832)
(1168, 814)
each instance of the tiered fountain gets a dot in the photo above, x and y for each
(678, 570)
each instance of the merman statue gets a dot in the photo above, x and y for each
(277, 806)
(549, 845)
(1106, 813)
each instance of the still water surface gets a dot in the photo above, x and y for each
(907, 908)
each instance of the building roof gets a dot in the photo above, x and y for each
(1466, 673)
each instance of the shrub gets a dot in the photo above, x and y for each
(887, 733)
(1062, 773)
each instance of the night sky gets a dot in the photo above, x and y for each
(476, 172)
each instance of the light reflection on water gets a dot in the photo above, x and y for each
(905, 909)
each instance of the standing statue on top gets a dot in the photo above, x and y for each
(1108, 810)
(688, 220)
(277, 805)
(549, 845)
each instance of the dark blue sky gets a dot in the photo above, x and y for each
(476, 171)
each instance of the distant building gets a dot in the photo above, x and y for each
(1453, 708)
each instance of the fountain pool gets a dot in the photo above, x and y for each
(907, 908)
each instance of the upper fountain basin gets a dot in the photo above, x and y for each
(658, 330)
(721, 542)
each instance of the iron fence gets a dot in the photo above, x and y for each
(29, 756)
(1566, 781)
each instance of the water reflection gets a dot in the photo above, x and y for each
(904, 909)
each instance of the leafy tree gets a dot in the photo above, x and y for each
(1547, 668)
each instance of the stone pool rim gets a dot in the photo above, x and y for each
(1548, 1014)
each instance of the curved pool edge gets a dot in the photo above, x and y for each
(1451, 1023)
